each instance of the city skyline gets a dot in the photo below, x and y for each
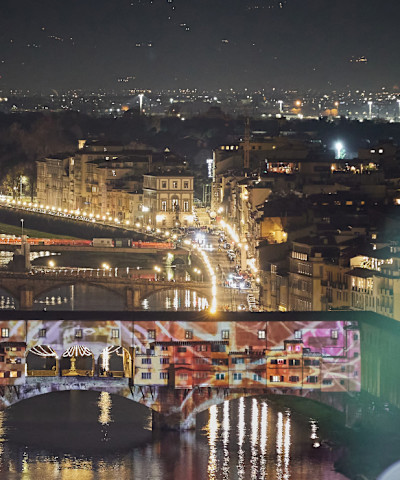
(167, 44)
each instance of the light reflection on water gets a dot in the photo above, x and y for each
(89, 297)
(214, 452)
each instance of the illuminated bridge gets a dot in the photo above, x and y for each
(27, 287)
(180, 363)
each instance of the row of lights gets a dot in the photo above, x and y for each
(91, 216)
(213, 277)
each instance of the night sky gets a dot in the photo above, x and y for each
(204, 44)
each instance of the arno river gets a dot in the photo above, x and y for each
(88, 435)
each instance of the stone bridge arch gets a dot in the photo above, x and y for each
(204, 292)
(173, 409)
(70, 282)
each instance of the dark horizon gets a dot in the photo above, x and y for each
(161, 44)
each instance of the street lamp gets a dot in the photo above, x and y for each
(280, 106)
(22, 227)
(51, 263)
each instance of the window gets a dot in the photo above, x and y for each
(146, 361)
(146, 375)
(188, 334)
(341, 382)
(185, 206)
(343, 369)
(218, 348)
(312, 379)
(327, 381)
(257, 377)
(151, 334)
(261, 334)
(164, 348)
(164, 376)
(281, 361)
(115, 333)
(181, 349)
(163, 184)
(185, 184)
(164, 206)
(298, 334)
(219, 361)
(309, 363)
(355, 336)
(225, 334)
(183, 376)
(78, 333)
(175, 204)
(274, 361)
(220, 376)
(237, 376)
(355, 354)
(164, 361)
(201, 348)
(237, 360)
(202, 361)
(293, 361)
(174, 184)
(275, 378)
(334, 334)
(42, 333)
(294, 378)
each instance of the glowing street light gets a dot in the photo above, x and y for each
(370, 109)
(52, 264)
(280, 106)
(338, 148)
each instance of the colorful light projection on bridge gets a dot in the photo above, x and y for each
(291, 355)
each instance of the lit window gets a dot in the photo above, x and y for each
(334, 334)
(297, 334)
(164, 206)
(183, 376)
(185, 184)
(225, 334)
(275, 378)
(185, 206)
(188, 334)
(261, 334)
(78, 333)
(174, 184)
(115, 333)
(5, 333)
(42, 333)
(151, 334)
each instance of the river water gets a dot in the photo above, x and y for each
(96, 436)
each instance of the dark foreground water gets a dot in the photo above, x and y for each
(95, 436)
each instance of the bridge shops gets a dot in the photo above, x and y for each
(180, 351)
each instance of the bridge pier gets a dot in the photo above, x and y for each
(133, 297)
(26, 298)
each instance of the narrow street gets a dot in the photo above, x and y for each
(228, 298)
